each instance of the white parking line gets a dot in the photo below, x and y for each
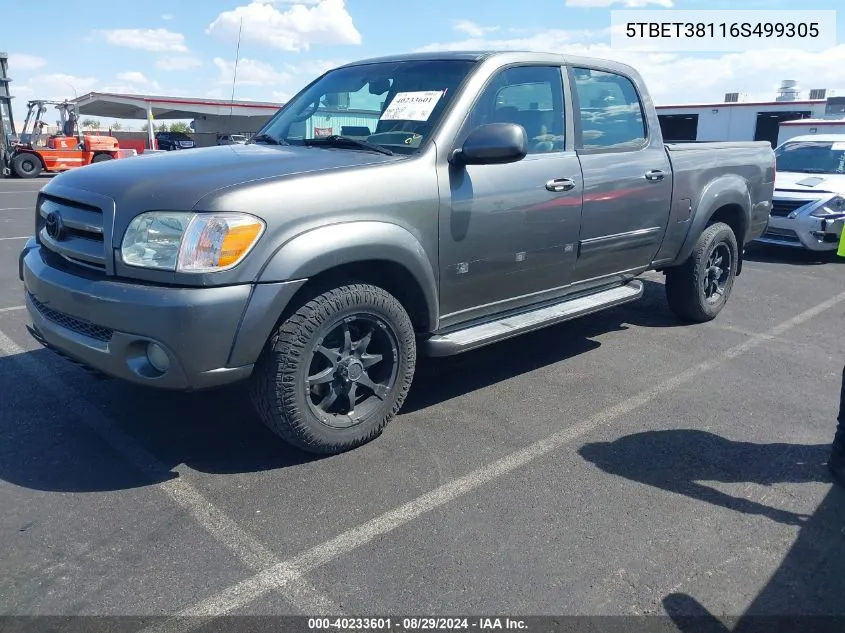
(252, 553)
(12, 309)
(25, 237)
(15, 208)
(291, 572)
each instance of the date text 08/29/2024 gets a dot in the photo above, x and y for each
(416, 624)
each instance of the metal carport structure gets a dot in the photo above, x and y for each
(149, 108)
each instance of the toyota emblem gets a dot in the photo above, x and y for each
(54, 226)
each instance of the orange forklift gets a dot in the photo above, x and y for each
(67, 149)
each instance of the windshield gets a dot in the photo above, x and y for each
(392, 104)
(812, 157)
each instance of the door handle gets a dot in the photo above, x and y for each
(654, 175)
(560, 184)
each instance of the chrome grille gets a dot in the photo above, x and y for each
(80, 326)
(73, 230)
(782, 208)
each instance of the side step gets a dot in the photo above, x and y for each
(514, 325)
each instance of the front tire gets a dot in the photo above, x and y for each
(26, 166)
(337, 370)
(698, 289)
(99, 158)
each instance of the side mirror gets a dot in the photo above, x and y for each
(492, 144)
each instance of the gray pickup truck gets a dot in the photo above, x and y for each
(425, 203)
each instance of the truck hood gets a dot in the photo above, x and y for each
(179, 180)
(792, 184)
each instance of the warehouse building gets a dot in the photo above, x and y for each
(737, 120)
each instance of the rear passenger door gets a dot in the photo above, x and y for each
(626, 171)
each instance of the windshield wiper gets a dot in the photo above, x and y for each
(813, 170)
(335, 140)
(266, 138)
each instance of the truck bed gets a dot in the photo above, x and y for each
(702, 173)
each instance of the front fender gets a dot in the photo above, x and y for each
(729, 190)
(320, 249)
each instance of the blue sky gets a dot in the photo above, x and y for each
(187, 48)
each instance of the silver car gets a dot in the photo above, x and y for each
(808, 209)
(232, 139)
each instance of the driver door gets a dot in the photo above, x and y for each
(507, 237)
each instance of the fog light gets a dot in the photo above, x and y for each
(157, 357)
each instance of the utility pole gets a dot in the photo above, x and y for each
(235, 73)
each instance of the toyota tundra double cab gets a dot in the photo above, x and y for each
(467, 198)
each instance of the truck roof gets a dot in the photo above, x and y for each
(507, 56)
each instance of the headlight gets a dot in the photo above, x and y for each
(833, 207)
(189, 242)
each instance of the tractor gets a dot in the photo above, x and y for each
(68, 148)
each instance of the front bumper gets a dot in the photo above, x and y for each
(803, 231)
(106, 325)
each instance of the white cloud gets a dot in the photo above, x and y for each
(251, 72)
(550, 40)
(313, 67)
(472, 29)
(296, 29)
(132, 82)
(22, 61)
(167, 16)
(676, 78)
(133, 77)
(631, 4)
(55, 86)
(183, 62)
(153, 40)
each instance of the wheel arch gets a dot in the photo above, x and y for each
(726, 199)
(374, 252)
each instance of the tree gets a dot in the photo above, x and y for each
(116, 126)
(180, 126)
(90, 124)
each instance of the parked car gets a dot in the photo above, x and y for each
(232, 139)
(170, 141)
(808, 209)
(499, 193)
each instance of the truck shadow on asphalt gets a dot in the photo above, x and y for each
(808, 582)
(46, 445)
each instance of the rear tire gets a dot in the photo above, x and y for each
(698, 289)
(352, 342)
(26, 166)
(99, 158)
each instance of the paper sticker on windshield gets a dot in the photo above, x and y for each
(838, 147)
(412, 106)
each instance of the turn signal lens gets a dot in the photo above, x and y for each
(217, 241)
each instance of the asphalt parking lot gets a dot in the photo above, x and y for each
(622, 464)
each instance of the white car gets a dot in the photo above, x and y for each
(808, 209)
